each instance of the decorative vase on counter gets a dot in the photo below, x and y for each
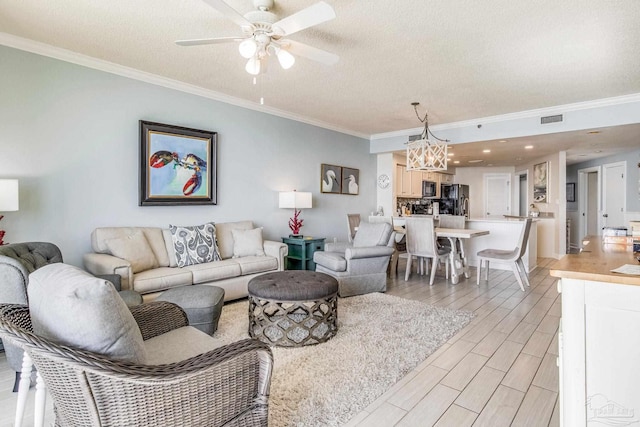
(534, 212)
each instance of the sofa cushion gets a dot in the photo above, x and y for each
(135, 249)
(247, 243)
(256, 264)
(178, 344)
(225, 238)
(168, 243)
(334, 261)
(160, 279)
(153, 235)
(211, 271)
(372, 234)
(72, 307)
(195, 244)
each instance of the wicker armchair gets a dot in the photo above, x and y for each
(228, 386)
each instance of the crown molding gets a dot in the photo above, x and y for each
(539, 112)
(43, 49)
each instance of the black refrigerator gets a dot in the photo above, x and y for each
(454, 199)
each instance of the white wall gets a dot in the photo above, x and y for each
(70, 134)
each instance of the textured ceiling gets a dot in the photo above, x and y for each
(462, 59)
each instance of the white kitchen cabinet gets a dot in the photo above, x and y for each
(446, 178)
(403, 181)
(599, 353)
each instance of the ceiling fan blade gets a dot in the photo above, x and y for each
(229, 12)
(310, 52)
(313, 15)
(217, 40)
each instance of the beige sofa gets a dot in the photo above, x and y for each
(231, 274)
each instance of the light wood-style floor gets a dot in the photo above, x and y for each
(498, 371)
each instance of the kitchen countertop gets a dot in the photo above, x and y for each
(595, 263)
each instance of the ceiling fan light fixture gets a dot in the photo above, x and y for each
(285, 59)
(248, 48)
(253, 66)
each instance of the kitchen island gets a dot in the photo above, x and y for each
(599, 344)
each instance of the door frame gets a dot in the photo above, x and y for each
(582, 202)
(516, 191)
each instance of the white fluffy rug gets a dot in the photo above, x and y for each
(380, 338)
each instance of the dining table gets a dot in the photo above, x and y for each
(457, 257)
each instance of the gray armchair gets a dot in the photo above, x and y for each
(360, 267)
(17, 262)
(135, 366)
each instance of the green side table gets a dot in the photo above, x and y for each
(301, 252)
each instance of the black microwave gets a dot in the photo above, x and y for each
(429, 188)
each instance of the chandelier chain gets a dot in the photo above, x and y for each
(426, 132)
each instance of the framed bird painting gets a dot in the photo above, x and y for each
(330, 178)
(177, 165)
(350, 181)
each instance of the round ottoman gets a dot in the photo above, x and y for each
(293, 308)
(202, 303)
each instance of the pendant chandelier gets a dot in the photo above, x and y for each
(429, 153)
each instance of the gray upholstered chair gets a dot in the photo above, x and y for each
(360, 267)
(422, 244)
(513, 257)
(134, 366)
(17, 261)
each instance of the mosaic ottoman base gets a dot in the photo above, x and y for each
(293, 308)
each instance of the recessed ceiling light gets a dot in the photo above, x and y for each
(598, 151)
(490, 164)
(486, 151)
(476, 161)
(503, 140)
(528, 147)
(450, 154)
(518, 158)
(592, 132)
(456, 162)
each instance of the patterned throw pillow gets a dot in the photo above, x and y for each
(195, 244)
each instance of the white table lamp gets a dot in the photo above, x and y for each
(9, 200)
(295, 200)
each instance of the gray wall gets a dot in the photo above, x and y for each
(633, 177)
(70, 134)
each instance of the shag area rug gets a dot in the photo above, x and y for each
(380, 339)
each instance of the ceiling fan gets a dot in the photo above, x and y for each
(264, 35)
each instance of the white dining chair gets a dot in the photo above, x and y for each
(511, 256)
(353, 221)
(421, 243)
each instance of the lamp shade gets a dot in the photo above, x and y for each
(295, 200)
(8, 195)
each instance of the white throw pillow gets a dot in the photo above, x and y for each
(195, 244)
(135, 249)
(247, 243)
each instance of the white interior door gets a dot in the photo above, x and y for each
(497, 194)
(614, 194)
